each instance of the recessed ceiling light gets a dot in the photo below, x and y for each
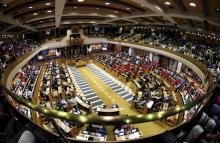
(75, 7)
(158, 8)
(35, 13)
(49, 11)
(47, 4)
(30, 7)
(192, 4)
(80, 0)
(67, 22)
(167, 3)
(107, 3)
(115, 11)
(128, 8)
(5, 5)
(112, 16)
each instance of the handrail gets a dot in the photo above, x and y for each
(107, 120)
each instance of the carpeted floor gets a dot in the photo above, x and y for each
(109, 97)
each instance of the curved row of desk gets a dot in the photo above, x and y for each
(202, 72)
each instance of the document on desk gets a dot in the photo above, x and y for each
(150, 104)
(47, 91)
(62, 125)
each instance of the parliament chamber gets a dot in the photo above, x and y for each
(135, 71)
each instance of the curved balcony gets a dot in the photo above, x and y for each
(197, 67)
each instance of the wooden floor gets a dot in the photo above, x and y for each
(108, 96)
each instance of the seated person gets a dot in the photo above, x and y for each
(69, 91)
(102, 131)
(119, 130)
(90, 128)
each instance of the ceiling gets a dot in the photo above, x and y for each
(32, 15)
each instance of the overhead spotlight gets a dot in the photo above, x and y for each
(75, 7)
(192, 4)
(115, 11)
(80, 0)
(107, 3)
(5, 5)
(112, 16)
(49, 11)
(158, 8)
(97, 8)
(35, 13)
(128, 8)
(30, 7)
(67, 22)
(47, 4)
(167, 3)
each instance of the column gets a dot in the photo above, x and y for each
(151, 57)
(179, 66)
(131, 51)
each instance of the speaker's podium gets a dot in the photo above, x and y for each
(80, 63)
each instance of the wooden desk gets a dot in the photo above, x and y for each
(95, 138)
(108, 111)
(134, 135)
(82, 103)
(174, 97)
(135, 86)
(114, 73)
(80, 63)
(55, 94)
(123, 78)
(63, 126)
